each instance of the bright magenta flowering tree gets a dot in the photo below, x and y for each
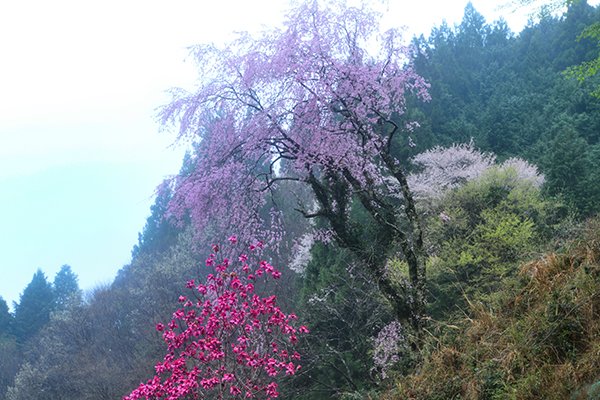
(226, 341)
(310, 105)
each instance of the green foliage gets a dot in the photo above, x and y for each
(480, 232)
(34, 308)
(540, 341)
(6, 319)
(10, 355)
(10, 361)
(510, 95)
(27, 384)
(66, 288)
(159, 233)
(503, 235)
(344, 311)
(572, 171)
(592, 180)
(587, 69)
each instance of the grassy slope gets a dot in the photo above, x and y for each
(542, 341)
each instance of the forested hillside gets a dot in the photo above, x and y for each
(422, 226)
(510, 94)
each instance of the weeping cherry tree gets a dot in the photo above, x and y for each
(312, 107)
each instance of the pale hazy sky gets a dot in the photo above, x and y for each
(80, 153)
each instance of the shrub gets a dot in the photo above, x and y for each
(225, 338)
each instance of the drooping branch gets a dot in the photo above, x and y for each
(308, 99)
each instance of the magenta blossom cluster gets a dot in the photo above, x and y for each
(226, 340)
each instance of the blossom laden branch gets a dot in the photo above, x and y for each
(226, 338)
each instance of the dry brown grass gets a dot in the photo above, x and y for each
(542, 342)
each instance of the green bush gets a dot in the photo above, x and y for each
(540, 340)
(478, 234)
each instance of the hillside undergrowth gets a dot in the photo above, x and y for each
(541, 340)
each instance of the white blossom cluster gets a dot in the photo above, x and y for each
(525, 172)
(302, 254)
(387, 348)
(444, 168)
